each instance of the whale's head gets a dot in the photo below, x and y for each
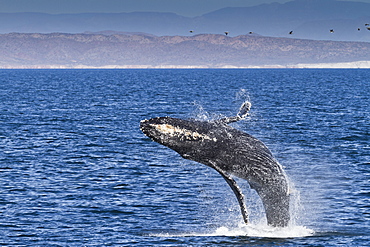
(187, 137)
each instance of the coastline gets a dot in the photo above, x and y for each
(343, 65)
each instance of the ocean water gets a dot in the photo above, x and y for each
(75, 169)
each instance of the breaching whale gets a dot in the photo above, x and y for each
(230, 152)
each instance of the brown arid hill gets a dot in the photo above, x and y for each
(130, 50)
(307, 19)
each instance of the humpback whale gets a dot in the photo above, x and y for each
(230, 152)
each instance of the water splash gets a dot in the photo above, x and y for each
(202, 115)
(259, 230)
(259, 227)
(243, 95)
(265, 231)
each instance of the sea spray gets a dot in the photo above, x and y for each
(260, 231)
(264, 231)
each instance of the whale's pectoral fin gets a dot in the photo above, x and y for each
(237, 191)
(243, 113)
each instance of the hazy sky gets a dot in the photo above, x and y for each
(182, 7)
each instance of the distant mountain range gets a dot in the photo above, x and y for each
(135, 50)
(308, 19)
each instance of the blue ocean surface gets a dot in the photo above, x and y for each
(75, 169)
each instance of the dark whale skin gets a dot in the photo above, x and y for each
(231, 152)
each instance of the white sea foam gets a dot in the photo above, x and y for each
(265, 231)
(262, 231)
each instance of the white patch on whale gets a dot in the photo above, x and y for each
(184, 133)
